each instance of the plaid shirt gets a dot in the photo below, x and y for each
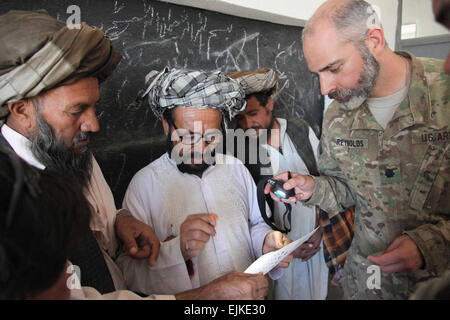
(337, 236)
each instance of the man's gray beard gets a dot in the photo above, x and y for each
(366, 82)
(56, 156)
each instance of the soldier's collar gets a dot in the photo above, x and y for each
(363, 119)
(419, 92)
(416, 104)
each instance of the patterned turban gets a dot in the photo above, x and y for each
(39, 52)
(169, 89)
(264, 79)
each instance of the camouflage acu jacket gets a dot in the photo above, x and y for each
(398, 178)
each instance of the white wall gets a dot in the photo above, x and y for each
(421, 13)
(289, 12)
(301, 10)
(388, 16)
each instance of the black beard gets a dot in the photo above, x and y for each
(269, 128)
(193, 168)
(56, 156)
(187, 167)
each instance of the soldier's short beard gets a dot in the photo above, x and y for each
(55, 155)
(366, 82)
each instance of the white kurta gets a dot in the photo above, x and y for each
(162, 196)
(302, 280)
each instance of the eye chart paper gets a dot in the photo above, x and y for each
(270, 260)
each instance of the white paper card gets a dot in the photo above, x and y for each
(270, 260)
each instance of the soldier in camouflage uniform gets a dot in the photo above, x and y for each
(398, 175)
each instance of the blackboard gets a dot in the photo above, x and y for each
(151, 35)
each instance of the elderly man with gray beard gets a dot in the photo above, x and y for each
(49, 85)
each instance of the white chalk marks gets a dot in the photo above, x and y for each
(152, 34)
(152, 37)
(225, 47)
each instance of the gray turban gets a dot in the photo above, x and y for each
(39, 52)
(264, 79)
(169, 89)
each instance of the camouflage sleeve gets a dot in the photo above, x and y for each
(433, 238)
(331, 192)
(433, 241)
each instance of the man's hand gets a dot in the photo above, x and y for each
(139, 239)
(231, 286)
(275, 240)
(310, 247)
(195, 232)
(401, 256)
(337, 278)
(304, 186)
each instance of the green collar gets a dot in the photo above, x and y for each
(415, 108)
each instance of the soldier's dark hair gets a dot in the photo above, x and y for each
(43, 217)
